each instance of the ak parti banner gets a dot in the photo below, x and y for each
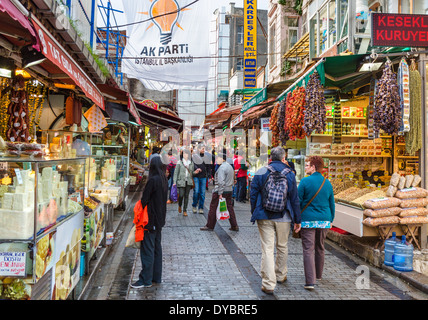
(399, 30)
(52, 50)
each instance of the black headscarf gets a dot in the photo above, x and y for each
(157, 168)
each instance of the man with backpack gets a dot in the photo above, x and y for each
(275, 206)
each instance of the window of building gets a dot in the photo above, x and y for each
(272, 43)
(413, 6)
(240, 34)
(293, 28)
(240, 64)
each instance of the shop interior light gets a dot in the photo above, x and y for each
(65, 86)
(6, 67)
(31, 57)
(23, 73)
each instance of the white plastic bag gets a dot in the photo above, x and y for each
(130, 242)
(222, 212)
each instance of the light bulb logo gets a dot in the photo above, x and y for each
(165, 15)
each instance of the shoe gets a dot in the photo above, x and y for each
(206, 229)
(169, 202)
(309, 286)
(234, 228)
(201, 211)
(267, 291)
(179, 209)
(185, 213)
(194, 209)
(139, 285)
(283, 280)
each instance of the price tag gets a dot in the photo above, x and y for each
(18, 176)
(12, 264)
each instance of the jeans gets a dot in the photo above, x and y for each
(151, 257)
(241, 190)
(199, 192)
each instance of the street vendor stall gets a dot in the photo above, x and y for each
(367, 127)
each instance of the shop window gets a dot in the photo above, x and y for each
(413, 6)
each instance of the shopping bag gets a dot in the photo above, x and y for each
(222, 212)
(174, 193)
(130, 242)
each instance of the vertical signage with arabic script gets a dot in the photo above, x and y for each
(250, 45)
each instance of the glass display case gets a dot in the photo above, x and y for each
(41, 221)
(68, 144)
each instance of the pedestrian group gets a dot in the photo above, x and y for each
(278, 206)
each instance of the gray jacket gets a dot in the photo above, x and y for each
(180, 178)
(224, 178)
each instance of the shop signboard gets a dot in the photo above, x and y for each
(12, 264)
(250, 45)
(399, 30)
(255, 100)
(264, 124)
(52, 50)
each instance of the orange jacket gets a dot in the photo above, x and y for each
(141, 219)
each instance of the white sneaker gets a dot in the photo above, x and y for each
(194, 209)
(201, 211)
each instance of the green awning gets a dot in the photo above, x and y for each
(246, 91)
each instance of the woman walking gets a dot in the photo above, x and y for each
(317, 204)
(183, 179)
(155, 195)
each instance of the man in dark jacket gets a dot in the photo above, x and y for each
(274, 227)
(202, 165)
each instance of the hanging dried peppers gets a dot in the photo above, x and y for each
(315, 113)
(273, 125)
(414, 136)
(294, 114)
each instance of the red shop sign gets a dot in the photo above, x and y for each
(399, 30)
(52, 50)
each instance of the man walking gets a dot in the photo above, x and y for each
(223, 188)
(274, 224)
(203, 168)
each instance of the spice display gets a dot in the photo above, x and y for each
(387, 108)
(273, 125)
(414, 136)
(294, 114)
(315, 114)
(403, 84)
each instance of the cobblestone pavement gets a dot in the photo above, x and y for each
(225, 265)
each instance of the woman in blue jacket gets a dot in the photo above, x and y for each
(316, 218)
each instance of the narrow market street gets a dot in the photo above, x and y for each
(225, 265)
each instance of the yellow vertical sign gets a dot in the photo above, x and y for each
(250, 45)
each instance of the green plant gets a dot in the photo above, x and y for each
(98, 60)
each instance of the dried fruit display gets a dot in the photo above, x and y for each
(294, 114)
(387, 108)
(273, 125)
(414, 136)
(315, 113)
(283, 135)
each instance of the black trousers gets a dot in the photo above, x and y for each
(151, 257)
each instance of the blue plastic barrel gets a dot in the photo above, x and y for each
(389, 250)
(403, 256)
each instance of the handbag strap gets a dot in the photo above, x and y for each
(322, 184)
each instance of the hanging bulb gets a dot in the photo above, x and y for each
(165, 15)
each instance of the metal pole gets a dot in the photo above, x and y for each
(92, 24)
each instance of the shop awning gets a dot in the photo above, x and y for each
(157, 118)
(300, 48)
(57, 55)
(11, 13)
